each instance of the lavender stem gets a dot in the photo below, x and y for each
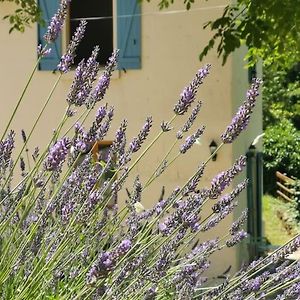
(21, 98)
(33, 128)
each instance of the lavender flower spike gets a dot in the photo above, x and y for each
(57, 22)
(57, 154)
(235, 227)
(190, 141)
(190, 121)
(136, 144)
(239, 236)
(227, 199)
(242, 117)
(68, 58)
(104, 80)
(188, 95)
(85, 75)
(43, 51)
(223, 180)
(6, 148)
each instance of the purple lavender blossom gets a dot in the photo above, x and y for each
(205, 248)
(101, 133)
(57, 154)
(74, 97)
(123, 247)
(132, 265)
(223, 180)
(6, 148)
(165, 126)
(253, 285)
(235, 227)
(187, 279)
(190, 141)
(137, 142)
(188, 95)
(217, 218)
(133, 220)
(151, 293)
(102, 112)
(22, 164)
(70, 112)
(190, 121)
(84, 141)
(285, 273)
(194, 181)
(186, 214)
(43, 51)
(104, 80)
(35, 153)
(163, 166)
(67, 210)
(106, 261)
(85, 76)
(118, 145)
(227, 199)
(57, 22)
(291, 293)
(239, 236)
(24, 137)
(287, 249)
(94, 199)
(242, 117)
(216, 291)
(67, 59)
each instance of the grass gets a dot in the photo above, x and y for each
(274, 230)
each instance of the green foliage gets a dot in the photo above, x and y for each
(274, 230)
(281, 119)
(281, 93)
(269, 28)
(166, 3)
(282, 148)
(26, 13)
(294, 206)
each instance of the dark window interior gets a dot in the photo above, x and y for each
(98, 32)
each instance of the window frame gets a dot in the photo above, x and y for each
(130, 57)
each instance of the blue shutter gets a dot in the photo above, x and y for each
(129, 34)
(50, 62)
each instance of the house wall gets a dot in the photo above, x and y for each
(171, 44)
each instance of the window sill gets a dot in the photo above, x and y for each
(70, 75)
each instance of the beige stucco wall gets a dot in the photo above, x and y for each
(170, 47)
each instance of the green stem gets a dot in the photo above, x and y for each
(21, 98)
(33, 128)
(246, 276)
(282, 286)
(150, 179)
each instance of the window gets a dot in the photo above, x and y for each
(128, 31)
(99, 30)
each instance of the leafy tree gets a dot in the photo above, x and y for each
(269, 28)
(281, 95)
(281, 112)
(26, 13)
(271, 31)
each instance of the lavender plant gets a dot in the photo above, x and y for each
(62, 237)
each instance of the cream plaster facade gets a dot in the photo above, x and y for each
(171, 44)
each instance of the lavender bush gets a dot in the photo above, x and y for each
(64, 237)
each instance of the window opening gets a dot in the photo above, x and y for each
(98, 31)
